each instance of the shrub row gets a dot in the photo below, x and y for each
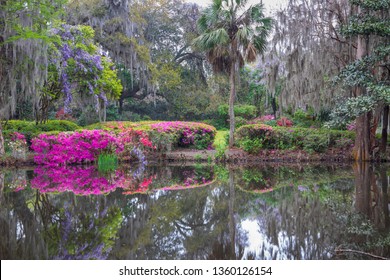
(167, 135)
(31, 129)
(253, 138)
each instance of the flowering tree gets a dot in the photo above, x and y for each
(78, 66)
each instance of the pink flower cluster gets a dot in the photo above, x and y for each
(179, 126)
(84, 146)
(283, 121)
(16, 136)
(77, 147)
(262, 119)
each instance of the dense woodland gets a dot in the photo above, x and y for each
(324, 63)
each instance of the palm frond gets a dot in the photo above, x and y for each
(244, 34)
(260, 43)
(250, 53)
(212, 39)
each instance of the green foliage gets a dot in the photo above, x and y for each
(245, 111)
(52, 125)
(372, 4)
(252, 146)
(363, 73)
(31, 129)
(201, 142)
(107, 162)
(221, 143)
(109, 82)
(316, 142)
(252, 138)
(240, 121)
(367, 25)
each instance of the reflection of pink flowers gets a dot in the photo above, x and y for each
(83, 180)
(79, 180)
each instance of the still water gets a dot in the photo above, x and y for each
(196, 212)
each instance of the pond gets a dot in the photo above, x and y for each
(273, 211)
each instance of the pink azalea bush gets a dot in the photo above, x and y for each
(283, 121)
(87, 145)
(77, 147)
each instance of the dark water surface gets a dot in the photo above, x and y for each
(196, 212)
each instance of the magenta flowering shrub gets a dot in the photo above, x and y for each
(199, 135)
(77, 147)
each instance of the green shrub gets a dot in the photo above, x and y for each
(245, 111)
(51, 125)
(240, 121)
(202, 142)
(312, 140)
(252, 146)
(316, 142)
(221, 143)
(31, 129)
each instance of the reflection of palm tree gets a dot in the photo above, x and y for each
(232, 224)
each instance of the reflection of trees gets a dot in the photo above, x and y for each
(178, 224)
(20, 229)
(371, 194)
(42, 226)
(369, 235)
(295, 222)
(295, 219)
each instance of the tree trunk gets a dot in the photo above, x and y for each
(362, 149)
(385, 125)
(2, 151)
(231, 103)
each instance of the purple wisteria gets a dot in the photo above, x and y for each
(79, 66)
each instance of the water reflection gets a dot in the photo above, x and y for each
(195, 212)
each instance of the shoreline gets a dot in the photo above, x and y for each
(231, 156)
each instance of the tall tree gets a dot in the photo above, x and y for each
(24, 40)
(369, 74)
(232, 34)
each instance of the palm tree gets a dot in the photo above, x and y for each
(232, 34)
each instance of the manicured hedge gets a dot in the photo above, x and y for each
(31, 129)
